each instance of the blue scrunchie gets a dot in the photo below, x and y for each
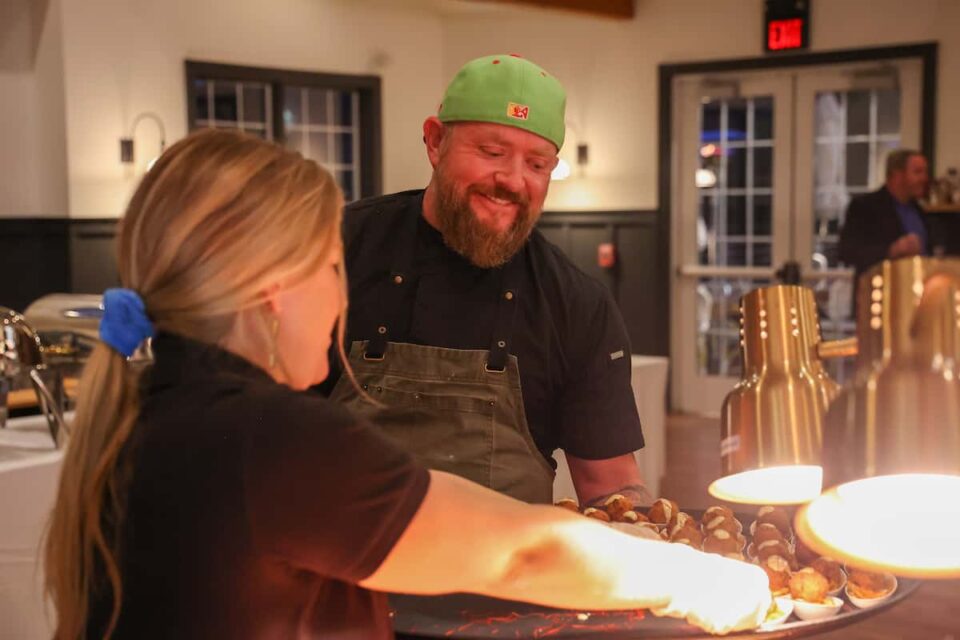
(124, 324)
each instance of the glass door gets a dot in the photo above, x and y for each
(764, 166)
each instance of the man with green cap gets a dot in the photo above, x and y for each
(488, 346)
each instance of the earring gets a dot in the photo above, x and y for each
(274, 330)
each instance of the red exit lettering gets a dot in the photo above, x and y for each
(785, 34)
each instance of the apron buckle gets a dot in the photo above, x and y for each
(370, 358)
(486, 367)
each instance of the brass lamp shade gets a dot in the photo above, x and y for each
(891, 453)
(772, 421)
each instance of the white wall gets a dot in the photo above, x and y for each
(32, 138)
(123, 57)
(65, 100)
(610, 70)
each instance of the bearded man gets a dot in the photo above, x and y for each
(488, 346)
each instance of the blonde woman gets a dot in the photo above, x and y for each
(210, 497)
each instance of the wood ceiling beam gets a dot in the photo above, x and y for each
(605, 8)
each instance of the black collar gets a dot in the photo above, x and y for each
(178, 359)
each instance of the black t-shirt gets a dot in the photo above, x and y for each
(568, 335)
(253, 509)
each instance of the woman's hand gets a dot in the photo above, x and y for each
(715, 593)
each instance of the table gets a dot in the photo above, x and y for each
(466, 616)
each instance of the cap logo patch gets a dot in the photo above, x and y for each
(518, 111)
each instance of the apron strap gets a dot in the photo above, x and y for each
(506, 314)
(401, 279)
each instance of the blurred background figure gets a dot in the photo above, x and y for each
(889, 223)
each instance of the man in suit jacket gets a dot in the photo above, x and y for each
(888, 223)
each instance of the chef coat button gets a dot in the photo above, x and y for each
(508, 295)
(365, 387)
(381, 329)
(398, 279)
(493, 402)
(501, 344)
(416, 396)
(379, 389)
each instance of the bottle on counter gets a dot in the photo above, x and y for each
(951, 191)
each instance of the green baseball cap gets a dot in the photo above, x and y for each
(508, 90)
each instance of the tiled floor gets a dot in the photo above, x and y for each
(693, 461)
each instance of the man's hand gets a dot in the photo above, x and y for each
(906, 245)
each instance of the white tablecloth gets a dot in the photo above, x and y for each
(649, 382)
(28, 488)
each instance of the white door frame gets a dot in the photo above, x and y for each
(691, 391)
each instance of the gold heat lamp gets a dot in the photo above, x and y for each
(891, 450)
(772, 421)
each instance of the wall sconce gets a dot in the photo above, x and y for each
(772, 421)
(126, 144)
(562, 171)
(891, 454)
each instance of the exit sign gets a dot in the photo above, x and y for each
(786, 25)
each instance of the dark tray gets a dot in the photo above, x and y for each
(477, 617)
(470, 616)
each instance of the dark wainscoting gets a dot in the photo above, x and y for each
(636, 280)
(59, 255)
(55, 255)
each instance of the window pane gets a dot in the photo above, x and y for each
(762, 254)
(737, 120)
(829, 115)
(317, 101)
(732, 254)
(344, 148)
(736, 168)
(292, 105)
(736, 215)
(888, 111)
(225, 101)
(762, 167)
(858, 113)
(762, 118)
(858, 163)
(254, 104)
(710, 126)
(829, 167)
(202, 104)
(707, 206)
(718, 324)
(343, 108)
(318, 147)
(762, 217)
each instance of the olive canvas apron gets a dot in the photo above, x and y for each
(455, 410)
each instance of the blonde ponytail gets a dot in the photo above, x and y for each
(80, 544)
